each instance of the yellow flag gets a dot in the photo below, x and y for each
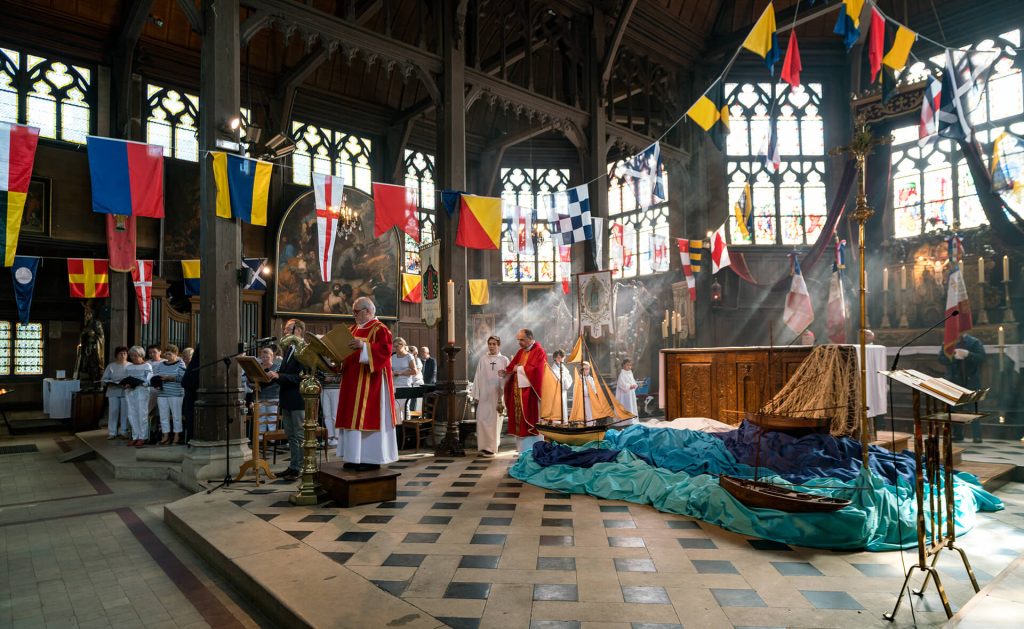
(896, 58)
(479, 293)
(759, 40)
(704, 112)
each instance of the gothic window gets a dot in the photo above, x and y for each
(932, 186)
(632, 229)
(172, 121)
(329, 152)
(56, 97)
(531, 255)
(789, 205)
(419, 176)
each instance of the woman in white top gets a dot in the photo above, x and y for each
(416, 403)
(137, 397)
(487, 391)
(403, 366)
(625, 388)
(117, 408)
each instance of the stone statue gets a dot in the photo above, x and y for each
(89, 363)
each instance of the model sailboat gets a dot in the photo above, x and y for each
(594, 407)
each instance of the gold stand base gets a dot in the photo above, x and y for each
(310, 492)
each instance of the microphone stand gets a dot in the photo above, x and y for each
(896, 358)
(243, 349)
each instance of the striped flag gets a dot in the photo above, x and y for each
(17, 153)
(190, 273)
(930, 103)
(243, 187)
(328, 195)
(142, 279)
(835, 323)
(799, 313)
(684, 257)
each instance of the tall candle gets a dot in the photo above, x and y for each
(679, 322)
(981, 269)
(903, 277)
(664, 326)
(451, 312)
(674, 328)
(1002, 337)
(1006, 268)
(885, 279)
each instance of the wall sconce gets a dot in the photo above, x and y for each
(244, 276)
(716, 294)
(230, 126)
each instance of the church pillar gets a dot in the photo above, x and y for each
(595, 160)
(217, 443)
(119, 313)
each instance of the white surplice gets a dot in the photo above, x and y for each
(625, 392)
(487, 390)
(378, 447)
(566, 380)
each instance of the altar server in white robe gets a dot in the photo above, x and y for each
(625, 390)
(564, 373)
(487, 390)
(589, 389)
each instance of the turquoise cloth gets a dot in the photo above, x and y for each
(880, 517)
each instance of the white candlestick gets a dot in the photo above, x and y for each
(664, 326)
(451, 312)
(903, 277)
(1006, 268)
(981, 270)
(1002, 337)
(885, 279)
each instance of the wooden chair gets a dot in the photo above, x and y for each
(420, 421)
(276, 434)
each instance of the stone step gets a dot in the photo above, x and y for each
(958, 452)
(992, 475)
(895, 441)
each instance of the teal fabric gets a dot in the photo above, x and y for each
(880, 517)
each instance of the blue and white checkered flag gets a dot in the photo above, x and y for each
(576, 226)
(256, 266)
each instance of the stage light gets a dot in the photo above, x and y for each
(278, 146)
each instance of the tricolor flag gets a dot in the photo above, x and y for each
(956, 300)
(930, 103)
(792, 66)
(799, 313)
(848, 24)
(645, 170)
(763, 39)
(328, 193)
(142, 279)
(744, 212)
(835, 323)
(127, 177)
(412, 288)
(255, 279)
(711, 112)
(23, 273)
(522, 229)
(769, 151)
(17, 153)
(888, 48)
(684, 257)
(243, 187)
(88, 278)
(190, 273)
(395, 206)
(479, 223)
(719, 250)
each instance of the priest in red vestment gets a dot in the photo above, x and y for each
(366, 399)
(523, 380)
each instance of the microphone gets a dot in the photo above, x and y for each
(896, 358)
(266, 340)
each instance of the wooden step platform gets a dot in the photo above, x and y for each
(349, 488)
(992, 475)
(895, 441)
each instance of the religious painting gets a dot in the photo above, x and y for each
(362, 265)
(481, 326)
(594, 295)
(36, 217)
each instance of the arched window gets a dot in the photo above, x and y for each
(631, 229)
(172, 121)
(419, 175)
(789, 205)
(330, 152)
(531, 255)
(932, 186)
(55, 96)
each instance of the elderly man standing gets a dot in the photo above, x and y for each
(523, 380)
(366, 401)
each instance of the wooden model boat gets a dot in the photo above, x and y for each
(758, 495)
(571, 435)
(785, 423)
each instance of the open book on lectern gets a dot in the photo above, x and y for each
(938, 388)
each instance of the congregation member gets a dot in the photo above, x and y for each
(487, 393)
(293, 408)
(429, 366)
(403, 368)
(167, 375)
(523, 380)
(416, 403)
(186, 355)
(117, 407)
(138, 373)
(366, 402)
(625, 390)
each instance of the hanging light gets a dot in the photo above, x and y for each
(716, 294)
(349, 222)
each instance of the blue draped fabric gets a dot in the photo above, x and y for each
(547, 453)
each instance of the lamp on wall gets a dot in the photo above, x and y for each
(716, 294)
(278, 146)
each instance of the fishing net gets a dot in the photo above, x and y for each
(824, 386)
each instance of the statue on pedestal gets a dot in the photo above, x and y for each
(89, 363)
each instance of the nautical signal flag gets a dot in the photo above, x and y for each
(395, 206)
(412, 288)
(798, 313)
(711, 112)
(744, 211)
(479, 293)
(931, 101)
(127, 177)
(888, 48)
(190, 273)
(327, 194)
(88, 278)
(17, 153)
(719, 250)
(142, 279)
(24, 272)
(684, 257)
(479, 223)
(763, 40)
(577, 224)
(243, 187)
(792, 66)
(769, 151)
(848, 24)
(254, 279)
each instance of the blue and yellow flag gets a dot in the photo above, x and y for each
(243, 187)
(190, 271)
(763, 40)
(744, 211)
(848, 24)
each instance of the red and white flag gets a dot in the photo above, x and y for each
(684, 257)
(659, 253)
(930, 103)
(956, 299)
(719, 250)
(327, 192)
(522, 219)
(798, 313)
(565, 265)
(835, 324)
(142, 279)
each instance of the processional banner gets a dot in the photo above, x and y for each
(430, 265)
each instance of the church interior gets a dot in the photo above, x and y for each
(755, 269)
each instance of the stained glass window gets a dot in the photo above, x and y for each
(419, 176)
(790, 204)
(55, 96)
(28, 349)
(932, 185)
(531, 254)
(172, 121)
(330, 152)
(5, 348)
(631, 229)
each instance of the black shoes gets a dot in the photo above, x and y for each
(361, 467)
(290, 474)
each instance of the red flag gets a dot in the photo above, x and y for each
(791, 67)
(956, 299)
(121, 242)
(719, 250)
(87, 278)
(876, 42)
(142, 278)
(565, 262)
(395, 206)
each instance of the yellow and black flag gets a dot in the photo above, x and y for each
(889, 46)
(712, 114)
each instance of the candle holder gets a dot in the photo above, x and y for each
(885, 309)
(1008, 315)
(982, 311)
(450, 445)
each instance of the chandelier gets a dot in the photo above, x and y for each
(349, 222)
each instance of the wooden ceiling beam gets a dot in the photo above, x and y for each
(123, 57)
(253, 24)
(608, 64)
(192, 14)
(638, 141)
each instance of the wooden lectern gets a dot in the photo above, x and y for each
(933, 459)
(255, 374)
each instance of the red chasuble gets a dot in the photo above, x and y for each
(359, 398)
(524, 404)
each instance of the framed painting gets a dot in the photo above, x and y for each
(362, 265)
(36, 218)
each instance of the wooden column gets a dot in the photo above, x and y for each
(595, 158)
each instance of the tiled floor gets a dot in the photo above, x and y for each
(469, 545)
